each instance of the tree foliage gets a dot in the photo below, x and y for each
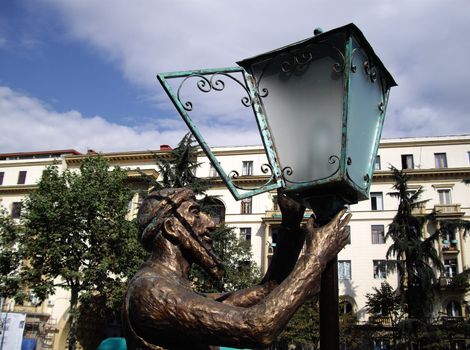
(9, 256)
(179, 169)
(240, 269)
(416, 256)
(303, 330)
(384, 301)
(76, 235)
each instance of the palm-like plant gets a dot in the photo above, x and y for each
(180, 168)
(416, 256)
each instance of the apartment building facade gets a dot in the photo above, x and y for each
(441, 165)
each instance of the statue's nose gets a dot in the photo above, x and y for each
(209, 223)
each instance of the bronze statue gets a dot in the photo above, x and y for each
(161, 310)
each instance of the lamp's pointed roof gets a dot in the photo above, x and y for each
(349, 29)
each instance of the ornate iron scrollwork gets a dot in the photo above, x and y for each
(265, 169)
(287, 171)
(213, 83)
(369, 69)
(292, 61)
(381, 107)
(371, 72)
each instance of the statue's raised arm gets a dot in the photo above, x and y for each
(161, 310)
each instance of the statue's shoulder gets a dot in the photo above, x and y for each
(145, 276)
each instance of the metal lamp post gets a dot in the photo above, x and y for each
(320, 106)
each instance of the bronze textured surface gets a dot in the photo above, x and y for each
(161, 310)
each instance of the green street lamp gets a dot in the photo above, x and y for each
(319, 105)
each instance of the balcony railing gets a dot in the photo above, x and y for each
(277, 214)
(420, 209)
(449, 246)
(451, 319)
(447, 209)
(456, 283)
(381, 320)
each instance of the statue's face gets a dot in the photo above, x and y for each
(195, 239)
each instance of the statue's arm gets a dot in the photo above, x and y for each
(198, 317)
(290, 241)
(291, 238)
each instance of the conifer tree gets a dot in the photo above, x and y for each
(416, 256)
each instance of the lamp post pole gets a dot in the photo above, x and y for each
(325, 208)
(329, 305)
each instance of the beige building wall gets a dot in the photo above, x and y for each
(262, 220)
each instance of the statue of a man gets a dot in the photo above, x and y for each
(163, 312)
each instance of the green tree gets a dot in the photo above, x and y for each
(240, 269)
(303, 330)
(76, 235)
(9, 256)
(416, 256)
(179, 169)
(386, 302)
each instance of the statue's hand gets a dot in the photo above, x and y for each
(325, 242)
(292, 211)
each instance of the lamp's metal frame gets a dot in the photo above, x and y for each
(208, 81)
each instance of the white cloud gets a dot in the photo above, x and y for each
(423, 42)
(29, 125)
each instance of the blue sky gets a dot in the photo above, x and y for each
(81, 73)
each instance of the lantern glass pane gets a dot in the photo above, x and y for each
(304, 108)
(364, 117)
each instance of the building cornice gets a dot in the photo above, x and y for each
(29, 163)
(132, 175)
(139, 174)
(17, 189)
(424, 142)
(424, 174)
(122, 157)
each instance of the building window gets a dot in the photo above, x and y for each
(247, 167)
(380, 269)
(377, 165)
(444, 196)
(16, 210)
(453, 309)
(344, 269)
(246, 206)
(441, 160)
(273, 243)
(212, 171)
(2, 175)
(21, 177)
(407, 161)
(376, 201)
(345, 307)
(275, 203)
(347, 229)
(216, 210)
(378, 234)
(468, 154)
(450, 267)
(245, 233)
(140, 199)
(381, 344)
